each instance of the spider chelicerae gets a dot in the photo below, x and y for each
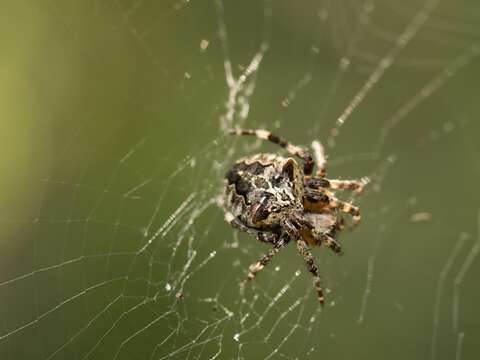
(275, 199)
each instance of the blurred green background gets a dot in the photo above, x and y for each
(113, 149)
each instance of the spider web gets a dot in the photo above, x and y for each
(113, 246)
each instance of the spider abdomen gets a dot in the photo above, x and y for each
(263, 186)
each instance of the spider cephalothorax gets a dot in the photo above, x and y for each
(278, 201)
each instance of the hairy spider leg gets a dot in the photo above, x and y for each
(319, 182)
(302, 248)
(318, 199)
(265, 259)
(263, 236)
(355, 185)
(332, 244)
(308, 162)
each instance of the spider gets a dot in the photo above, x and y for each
(277, 200)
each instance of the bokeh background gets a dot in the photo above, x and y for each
(113, 146)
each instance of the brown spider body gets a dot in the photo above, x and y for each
(263, 189)
(278, 201)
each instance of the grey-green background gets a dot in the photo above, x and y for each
(100, 97)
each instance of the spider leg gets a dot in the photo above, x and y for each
(265, 259)
(320, 158)
(331, 243)
(319, 182)
(308, 162)
(319, 199)
(355, 185)
(263, 236)
(312, 268)
(320, 238)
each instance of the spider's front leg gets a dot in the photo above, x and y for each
(265, 259)
(291, 232)
(308, 162)
(316, 200)
(319, 182)
(263, 236)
